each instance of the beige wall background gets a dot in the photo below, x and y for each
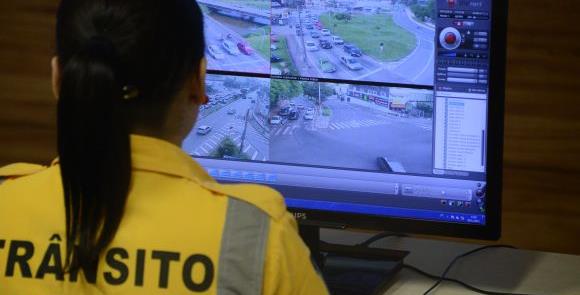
(542, 135)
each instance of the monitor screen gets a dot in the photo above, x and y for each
(373, 108)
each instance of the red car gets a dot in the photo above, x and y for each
(245, 48)
(274, 38)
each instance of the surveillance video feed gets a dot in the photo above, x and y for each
(234, 124)
(237, 34)
(381, 40)
(351, 126)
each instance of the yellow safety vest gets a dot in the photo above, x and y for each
(182, 233)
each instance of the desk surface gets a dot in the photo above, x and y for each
(503, 270)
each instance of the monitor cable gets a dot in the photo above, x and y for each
(443, 277)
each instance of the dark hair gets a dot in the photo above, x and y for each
(103, 46)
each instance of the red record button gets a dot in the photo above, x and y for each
(450, 38)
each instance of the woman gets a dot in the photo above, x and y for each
(123, 210)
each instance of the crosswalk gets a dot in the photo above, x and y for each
(355, 124)
(289, 130)
(216, 137)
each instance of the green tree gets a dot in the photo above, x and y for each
(422, 11)
(232, 83)
(228, 148)
(284, 89)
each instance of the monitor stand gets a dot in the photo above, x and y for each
(350, 270)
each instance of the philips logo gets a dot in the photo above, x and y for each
(300, 216)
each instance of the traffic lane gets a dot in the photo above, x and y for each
(357, 148)
(402, 19)
(214, 33)
(419, 69)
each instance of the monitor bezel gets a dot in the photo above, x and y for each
(495, 126)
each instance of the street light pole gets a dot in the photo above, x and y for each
(244, 133)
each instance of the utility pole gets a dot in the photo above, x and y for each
(245, 129)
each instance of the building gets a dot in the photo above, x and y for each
(376, 94)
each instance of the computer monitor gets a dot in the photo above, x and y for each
(371, 114)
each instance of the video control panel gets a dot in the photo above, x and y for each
(463, 44)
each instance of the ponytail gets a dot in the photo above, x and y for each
(94, 152)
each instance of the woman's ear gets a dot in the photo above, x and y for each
(55, 76)
(198, 83)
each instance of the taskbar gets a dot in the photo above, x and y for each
(393, 212)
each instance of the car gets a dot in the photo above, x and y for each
(311, 46)
(274, 58)
(298, 32)
(309, 27)
(274, 38)
(275, 120)
(326, 66)
(314, 34)
(294, 115)
(245, 48)
(230, 48)
(297, 26)
(325, 32)
(273, 47)
(292, 104)
(300, 106)
(352, 50)
(231, 112)
(387, 165)
(285, 111)
(325, 44)
(337, 40)
(309, 116)
(215, 52)
(203, 130)
(351, 63)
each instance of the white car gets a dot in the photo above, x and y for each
(311, 46)
(203, 130)
(230, 47)
(309, 116)
(215, 52)
(351, 63)
(337, 40)
(325, 32)
(276, 120)
(273, 47)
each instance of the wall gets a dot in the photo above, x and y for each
(542, 136)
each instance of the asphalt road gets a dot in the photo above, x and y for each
(354, 137)
(416, 68)
(214, 32)
(256, 145)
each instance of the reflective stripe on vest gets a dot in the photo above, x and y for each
(243, 249)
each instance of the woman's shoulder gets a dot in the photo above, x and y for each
(264, 198)
(18, 170)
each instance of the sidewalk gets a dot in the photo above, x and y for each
(371, 105)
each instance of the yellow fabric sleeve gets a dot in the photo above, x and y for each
(288, 267)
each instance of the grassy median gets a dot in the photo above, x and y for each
(260, 42)
(368, 31)
(283, 53)
(259, 4)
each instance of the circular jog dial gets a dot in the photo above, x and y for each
(450, 38)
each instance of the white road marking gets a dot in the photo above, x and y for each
(246, 149)
(255, 155)
(286, 130)
(204, 150)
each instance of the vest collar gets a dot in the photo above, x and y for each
(156, 155)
